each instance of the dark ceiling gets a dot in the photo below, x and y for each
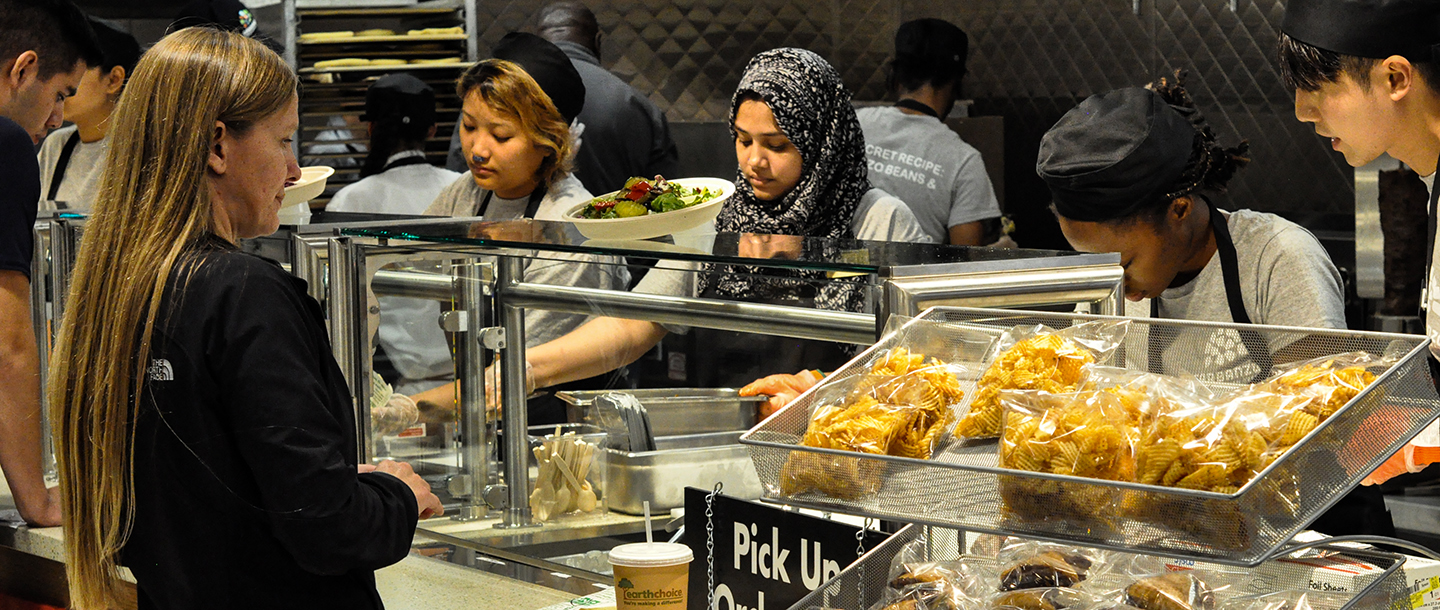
(133, 9)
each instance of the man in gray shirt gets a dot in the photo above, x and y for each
(911, 154)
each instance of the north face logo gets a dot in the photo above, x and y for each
(160, 370)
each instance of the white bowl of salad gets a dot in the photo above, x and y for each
(651, 207)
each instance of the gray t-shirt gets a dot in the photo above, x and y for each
(82, 174)
(924, 163)
(463, 197)
(1286, 279)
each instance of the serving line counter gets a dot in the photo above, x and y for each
(483, 273)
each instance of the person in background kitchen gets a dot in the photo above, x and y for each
(1366, 73)
(910, 151)
(396, 178)
(45, 48)
(1133, 171)
(71, 158)
(205, 434)
(624, 133)
(515, 127)
(801, 173)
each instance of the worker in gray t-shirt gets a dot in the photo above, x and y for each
(911, 154)
(1126, 175)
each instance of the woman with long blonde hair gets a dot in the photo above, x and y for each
(205, 434)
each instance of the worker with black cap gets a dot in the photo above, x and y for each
(398, 179)
(1133, 171)
(1367, 74)
(517, 109)
(72, 158)
(911, 154)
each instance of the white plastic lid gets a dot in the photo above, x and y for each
(650, 554)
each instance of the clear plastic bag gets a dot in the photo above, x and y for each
(1185, 590)
(1329, 383)
(1038, 358)
(902, 405)
(1049, 598)
(1030, 565)
(916, 582)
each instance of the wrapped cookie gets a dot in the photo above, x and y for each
(1050, 598)
(1172, 591)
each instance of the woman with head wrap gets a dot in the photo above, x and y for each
(801, 160)
(1131, 171)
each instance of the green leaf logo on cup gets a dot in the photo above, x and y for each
(625, 584)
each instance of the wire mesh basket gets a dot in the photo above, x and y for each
(863, 584)
(962, 486)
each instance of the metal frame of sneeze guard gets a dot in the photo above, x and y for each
(962, 486)
(1093, 279)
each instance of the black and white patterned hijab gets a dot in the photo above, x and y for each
(812, 107)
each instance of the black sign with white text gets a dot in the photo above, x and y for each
(765, 558)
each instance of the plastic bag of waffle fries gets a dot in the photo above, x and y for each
(1038, 358)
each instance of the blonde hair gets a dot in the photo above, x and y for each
(153, 207)
(508, 90)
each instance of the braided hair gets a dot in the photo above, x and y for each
(1211, 165)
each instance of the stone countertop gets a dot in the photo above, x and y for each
(417, 582)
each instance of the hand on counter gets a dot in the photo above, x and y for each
(781, 388)
(424, 498)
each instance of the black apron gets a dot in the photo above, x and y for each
(61, 165)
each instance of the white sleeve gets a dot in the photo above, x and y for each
(973, 197)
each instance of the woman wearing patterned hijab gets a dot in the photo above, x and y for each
(801, 159)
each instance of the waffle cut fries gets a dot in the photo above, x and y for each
(1084, 434)
(901, 407)
(1329, 383)
(1047, 362)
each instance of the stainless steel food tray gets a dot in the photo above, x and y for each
(676, 411)
(861, 585)
(661, 476)
(961, 485)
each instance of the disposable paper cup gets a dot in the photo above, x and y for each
(651, 575)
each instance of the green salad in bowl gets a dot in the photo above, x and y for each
(642, 196)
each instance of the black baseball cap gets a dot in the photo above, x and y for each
(1367, 28)
(399, 98)
(932, 40)
(229, 14)
(550, 68)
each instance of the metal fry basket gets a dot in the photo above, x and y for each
(861, 585)
(961, 485)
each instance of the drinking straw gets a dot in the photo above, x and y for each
(649, 534)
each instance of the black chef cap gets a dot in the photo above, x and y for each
(1114, 155)
(1366, 28)
(932, 41)
(118, 48)
(400, 98)
(550, 68)
(229, 14)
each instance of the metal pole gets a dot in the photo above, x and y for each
(702, 313)
(41, 322)
(514, 419)
(308, 256)
(475, 442)
(347, 305)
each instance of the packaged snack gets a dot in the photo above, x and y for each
(1051, 598)
(1173, 591)
(1329, 383)
(1032, 565)
(901, 406)
(1083, 434)
(918, 581)
(1037, 358)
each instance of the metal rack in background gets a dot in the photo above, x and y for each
(333, 97)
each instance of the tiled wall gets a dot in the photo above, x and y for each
(1030, 61)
